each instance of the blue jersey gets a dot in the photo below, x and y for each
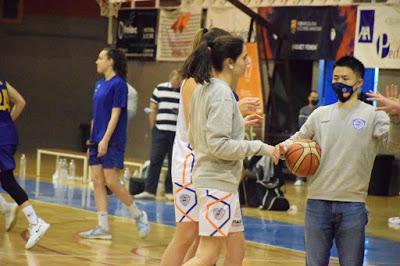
(109, 94)
(8, 132)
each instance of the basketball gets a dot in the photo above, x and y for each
(303, 157)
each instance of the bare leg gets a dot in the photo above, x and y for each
(208, 251)
(112, 181)
(235, 249)
(100, 194)
(191, 252)
(184, 237)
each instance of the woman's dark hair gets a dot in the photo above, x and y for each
(212, 55)
(208, 35)
(203, 35)
(120, 65)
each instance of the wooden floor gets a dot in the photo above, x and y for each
(62, 246)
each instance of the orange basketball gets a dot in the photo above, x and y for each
(303, 157)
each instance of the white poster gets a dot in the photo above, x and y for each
(230, 19)
(175, 33)
(377, 42)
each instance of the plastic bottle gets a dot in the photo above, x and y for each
(22, 166)
(71, 170)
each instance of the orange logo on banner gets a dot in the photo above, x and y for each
(250, 84)
(181, 22)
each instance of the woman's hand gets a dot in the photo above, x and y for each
(281, 149)
(102, 148)
(249, 105)
(274, 153)
(253, 120)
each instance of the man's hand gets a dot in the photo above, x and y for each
(389, 103)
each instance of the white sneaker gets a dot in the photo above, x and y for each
(96, 233)
(299, 182)
(394, 220)
(169, 196)
(142, 224)
(10, 215)
(36, 232)
(145, 195)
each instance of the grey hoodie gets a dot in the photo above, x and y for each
(217, 135)
(350, 138)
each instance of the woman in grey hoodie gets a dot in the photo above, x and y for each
(217, 135)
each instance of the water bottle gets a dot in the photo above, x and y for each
(63, 173)
(22, 167)
(65, 169)
(71, 169)
(126, 176)
(22, 170)
(56, 174)
(136, 173)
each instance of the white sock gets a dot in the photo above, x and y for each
(30, 214)
(135, 212)
(103, 220)
(3, 203)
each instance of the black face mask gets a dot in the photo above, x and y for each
(315, 102)
(340, 89)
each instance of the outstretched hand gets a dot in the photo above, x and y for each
(389, 103)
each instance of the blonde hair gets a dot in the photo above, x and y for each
(198, 36)
(174, 73)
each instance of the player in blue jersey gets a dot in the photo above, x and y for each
(107, 142)
(11, 106)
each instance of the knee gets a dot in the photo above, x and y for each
(156, 159)
(98, 182)
(207, 256)
(9, 184)
(111, 182)
(234, 258)
(208, 260)
(200, 261)
(8, 181)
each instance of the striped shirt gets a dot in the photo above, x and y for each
(168, 106)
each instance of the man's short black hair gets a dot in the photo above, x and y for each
(352, 63)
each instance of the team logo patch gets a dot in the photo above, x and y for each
(218, 213)
(358, 124)
(184, 199)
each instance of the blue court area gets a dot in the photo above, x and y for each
(379, 251)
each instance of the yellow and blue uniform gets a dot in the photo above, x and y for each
(8, 132)
(109, 94)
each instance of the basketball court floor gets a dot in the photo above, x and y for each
(273, 238)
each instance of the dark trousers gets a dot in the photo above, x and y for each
(161, 145)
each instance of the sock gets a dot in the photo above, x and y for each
(135, 212)
(3, 203)
(103, 220)
(30, 214)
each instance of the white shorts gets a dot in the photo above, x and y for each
(219, 212)
(186, 203)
